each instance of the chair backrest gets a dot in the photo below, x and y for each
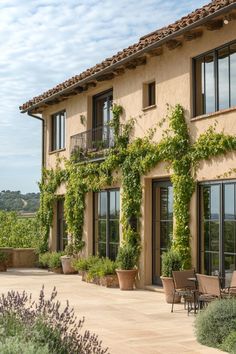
(208, 284)
(181, 280)
(233, 279)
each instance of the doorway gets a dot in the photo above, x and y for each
(162, 224)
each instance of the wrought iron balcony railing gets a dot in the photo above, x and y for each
(93, 140)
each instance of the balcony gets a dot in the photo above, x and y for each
(92, 141)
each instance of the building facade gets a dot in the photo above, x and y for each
(191, 63)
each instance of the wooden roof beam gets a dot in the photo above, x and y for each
(105, 77)
(189, 36)
(154, 52)
(173, 44)
(215, 25)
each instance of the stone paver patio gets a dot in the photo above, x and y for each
(133, 322)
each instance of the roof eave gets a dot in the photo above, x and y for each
(135, 55)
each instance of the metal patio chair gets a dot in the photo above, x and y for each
(209, 288)
(231, 290)
(183, 286)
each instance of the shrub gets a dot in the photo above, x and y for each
(170, 261)
(216, 322)
(108, 267)
(127, 257)
(229, 343)
(95, 266)
(44, 260)
(102, 267)
(3, 257)
(54, 260)
(72, 249)
(41, 327)
(18, 232)
(15, 345)
(84, 264)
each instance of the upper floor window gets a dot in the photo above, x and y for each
(58, 131)
(149, 94)
(102, 109)
(215, 80)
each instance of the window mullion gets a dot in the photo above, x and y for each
(229, 73)
(108, 226)
(221, 250)
(216, 79)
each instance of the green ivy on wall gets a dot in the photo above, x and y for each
(127, 162)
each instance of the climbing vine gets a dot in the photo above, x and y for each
(127, 162)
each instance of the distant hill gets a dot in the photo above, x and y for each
(16, 201)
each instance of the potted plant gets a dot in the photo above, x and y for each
(171, 260)
(127, 271)
(3, 261)
(71, 253)
(54, 262)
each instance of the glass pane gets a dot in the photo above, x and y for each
(102, 230)
(112, 204)
(230, 266)
(229, 201)
(223, 76)
(164, 203)
(215, 202)
(211, 263)
(113, 250)
(170, 202)
(211, 236)
(114, 230)
(229, 236)
(151, 94)
(209, 84)
(233, 74)
(102, 212)
(57, 132)
(62, 130)
(211, 195)
(199, 82)
(102, 249)
(166, 234)
(118, 204)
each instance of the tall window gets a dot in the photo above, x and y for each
(58, 131)
(218, 229)
(162, 224)
(102, 115)
(215, 80)
(106, 223)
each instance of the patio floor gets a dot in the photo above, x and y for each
(130, 322)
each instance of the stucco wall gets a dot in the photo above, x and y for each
(172, 72)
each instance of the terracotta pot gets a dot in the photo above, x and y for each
(126, 278)
(3, 267)
(168, 286)
(66, 265)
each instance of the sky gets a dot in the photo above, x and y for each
(43, 43)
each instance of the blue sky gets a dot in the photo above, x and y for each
(43, 43)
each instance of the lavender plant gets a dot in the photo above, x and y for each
(45, 325)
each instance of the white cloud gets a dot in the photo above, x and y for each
(44, 42)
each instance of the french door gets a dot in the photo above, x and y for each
(218, 229)
(106, 223)
(162, 224)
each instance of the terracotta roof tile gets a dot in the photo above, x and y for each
(144, 42)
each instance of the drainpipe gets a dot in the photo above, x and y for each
(43, 132)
